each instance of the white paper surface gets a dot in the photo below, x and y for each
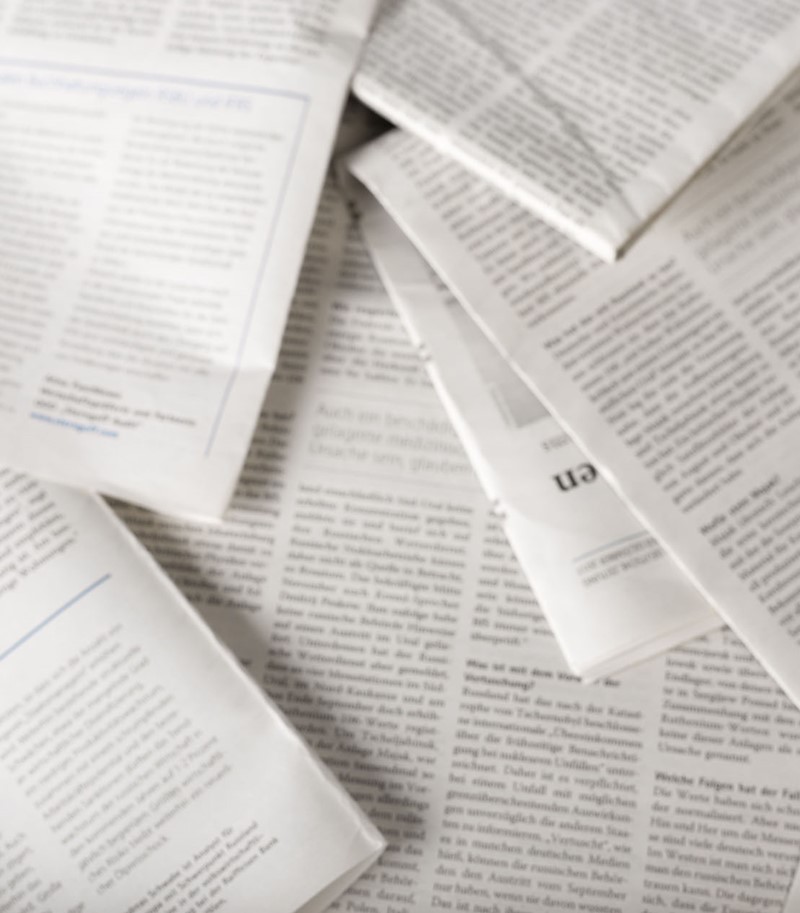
(591, 115)
(363, 580)
(161, 165)
(139, 768)
(607, 589)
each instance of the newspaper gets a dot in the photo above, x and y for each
(591, 114)
(161, 165)
(363, 580)
(610, 594)
(675, 369)
(140, 769)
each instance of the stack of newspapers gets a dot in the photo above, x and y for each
(399, 496)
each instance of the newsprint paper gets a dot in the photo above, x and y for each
(610, 594)
(591, 114)
(161, 166)
(676, 369)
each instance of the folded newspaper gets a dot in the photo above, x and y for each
(610, 594)
(160, 176)
(591, 114)
(676, 369)
(140, 769)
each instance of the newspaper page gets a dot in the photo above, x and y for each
(140, 769)
(675, 369)
(591, 114)
(610, 594)
(161, 166)
(373, 594)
